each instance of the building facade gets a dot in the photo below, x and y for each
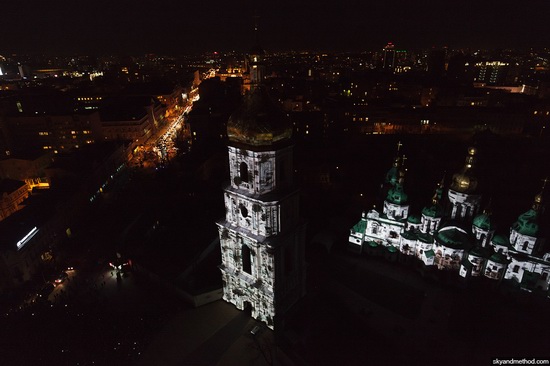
(455, 236)
(262, 235)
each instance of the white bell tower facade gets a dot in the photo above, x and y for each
(262, 236)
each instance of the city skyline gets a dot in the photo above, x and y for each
(174, 27)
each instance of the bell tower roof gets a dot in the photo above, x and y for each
(259, 121)
(465, 181)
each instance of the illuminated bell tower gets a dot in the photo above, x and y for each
(463, 193)
(255, 63)
(261, 236)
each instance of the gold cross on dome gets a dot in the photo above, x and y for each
(399, 144)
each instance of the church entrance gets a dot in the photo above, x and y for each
(247, 308)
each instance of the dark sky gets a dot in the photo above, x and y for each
(184, 26)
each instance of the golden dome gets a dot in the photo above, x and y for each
(259, 121)
(465, 181)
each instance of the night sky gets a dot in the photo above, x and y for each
(184, 26)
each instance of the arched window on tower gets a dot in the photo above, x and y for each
(247, 265)
(243, 172)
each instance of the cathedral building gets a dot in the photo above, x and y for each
(262, 235)
(455, 236)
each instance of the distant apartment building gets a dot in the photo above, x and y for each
(52, 132)
(496, 73)
(128, 121)
(12, 194)
(388, 58)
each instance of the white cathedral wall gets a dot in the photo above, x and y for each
(395, 212)
(522, 243)
(447, 258)
(518, 266)
(482, 236)
(262, 217)
(356, 238)
(477, 264)
(262, 169)
(385, 231)
(240, 287)
(494, 270)
(407, 246)
(464, 205)
(421, 248)
(429, 224)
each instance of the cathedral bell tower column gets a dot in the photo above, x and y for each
(262, 235)
(463, 192)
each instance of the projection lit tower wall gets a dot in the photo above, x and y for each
(262, 236)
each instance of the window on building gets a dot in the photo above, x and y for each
(525, 245)
(247, 265)
(244, 210)
(243, 172)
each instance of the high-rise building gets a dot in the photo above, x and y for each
(388, 62)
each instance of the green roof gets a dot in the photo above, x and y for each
(394, 175)
(396, 195)
(360, 227)
(426, 238)
(392, 249)
(483, 222)
(433, 211)
(500, 240)
(409, 235)
(373, 244)
(498, 258)
(452, 237)
(527, 223)
(413, 219)
(429, 253)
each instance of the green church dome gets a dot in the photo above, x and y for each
(483, 222)
(396, 195)
(500, 240)
(413, 219)
(527, 223)
(395, 175)
(434, 210)
(453, 237)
